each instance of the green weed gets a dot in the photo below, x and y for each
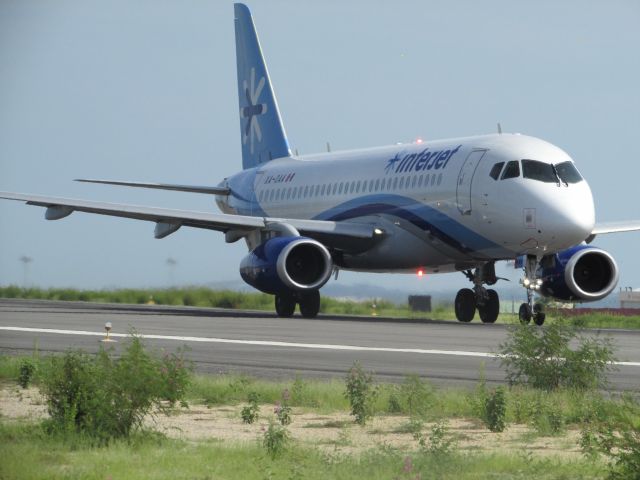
(361, 393)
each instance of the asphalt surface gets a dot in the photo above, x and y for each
(266, 346)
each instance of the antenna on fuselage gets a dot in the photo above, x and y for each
(499, 129)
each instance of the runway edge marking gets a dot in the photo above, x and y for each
(269, 343)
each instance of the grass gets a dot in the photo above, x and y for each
(29, 454)
(524, 404)
(204, 297)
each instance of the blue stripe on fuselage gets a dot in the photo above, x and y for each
(441, 226)
(422, 216)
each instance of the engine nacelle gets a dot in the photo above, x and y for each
(285, 264)
(582, 273)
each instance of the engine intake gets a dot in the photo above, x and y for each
(582, 273)
(287, 263)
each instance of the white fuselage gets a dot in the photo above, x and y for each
(440, 206)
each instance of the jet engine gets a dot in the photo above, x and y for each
(581, 273)
(286, 264)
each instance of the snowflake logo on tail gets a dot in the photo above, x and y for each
(252, 110)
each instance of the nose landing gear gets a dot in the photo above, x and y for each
(530, 310)
(486, 301)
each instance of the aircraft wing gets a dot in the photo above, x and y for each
(169, 220)
(161, 186)
(616, 227)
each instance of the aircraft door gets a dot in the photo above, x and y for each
(465, 180)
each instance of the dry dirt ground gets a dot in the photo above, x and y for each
(334, 432)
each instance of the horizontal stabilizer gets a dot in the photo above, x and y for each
(162, 186)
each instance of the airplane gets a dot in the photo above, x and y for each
(459, 204)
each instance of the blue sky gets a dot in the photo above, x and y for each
(146, 91)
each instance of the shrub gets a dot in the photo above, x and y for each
(177, 377)
(478, 398)
(361, 393)
(548, 417)
(276, 439)
(283, 410)
(250, 412)
(523, 405)
(108, 398)
(544, 359)
(27, 371)
(617, 437)
(439, 442)
(394, 403)
(496, 410)
(417, 395)
(300, 394)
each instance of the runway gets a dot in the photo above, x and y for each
(266, 346)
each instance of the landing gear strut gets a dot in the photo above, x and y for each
(530, 310)
(485, 301)
(309, 304)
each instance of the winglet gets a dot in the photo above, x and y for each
(262, 132)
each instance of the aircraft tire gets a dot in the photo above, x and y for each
(285, 305)
(491, 309)
(524, 314)
(310, 304)
(465, 305)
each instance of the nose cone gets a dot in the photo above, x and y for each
(571, 216)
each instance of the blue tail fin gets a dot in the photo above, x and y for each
(263, 136)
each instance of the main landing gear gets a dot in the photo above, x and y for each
(531, 311)
(309, 304)
(486, 301)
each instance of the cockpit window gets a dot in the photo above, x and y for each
(568, 172)
(495, 170)
(512, 170)
(535, 170)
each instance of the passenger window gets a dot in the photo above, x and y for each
(413, 181)
(377, 184)
(358, 186)
(439, 179)
(401, 186)
(353, 186)
(433, 179)
(395, 183)
(340, 188)
(420, 179)
(306, 191)
(495, 170)
(512, 170)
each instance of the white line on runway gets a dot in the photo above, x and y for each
(268, 343)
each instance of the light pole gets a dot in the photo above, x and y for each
(25, 265)
(171, 263)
